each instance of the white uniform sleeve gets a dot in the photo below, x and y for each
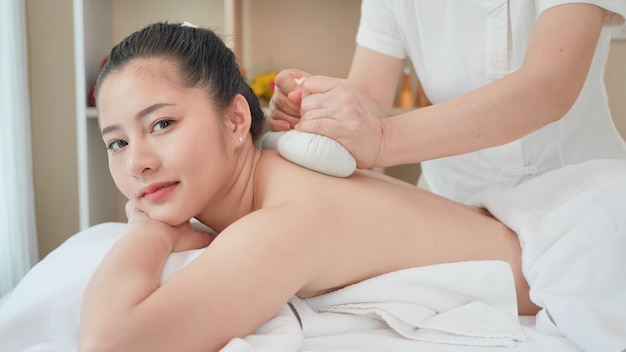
(616, 9)
(378, 30)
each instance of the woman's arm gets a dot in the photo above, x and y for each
(129, 274)
(239, 282)
(540, 92)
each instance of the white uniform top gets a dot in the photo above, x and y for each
(459, 45)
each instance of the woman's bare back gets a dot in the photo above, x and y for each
(370, 224)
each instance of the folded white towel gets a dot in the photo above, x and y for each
(467, 303)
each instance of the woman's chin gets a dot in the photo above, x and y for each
(169, 219)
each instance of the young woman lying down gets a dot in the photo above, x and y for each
(180, 125)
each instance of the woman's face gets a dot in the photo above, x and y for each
(166, 146)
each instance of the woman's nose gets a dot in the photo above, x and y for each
(142, 159)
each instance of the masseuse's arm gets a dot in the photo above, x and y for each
(540, 92)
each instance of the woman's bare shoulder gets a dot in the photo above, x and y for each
(272, 169)
(279, 180)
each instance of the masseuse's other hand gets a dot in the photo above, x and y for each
(334, 108)
(181, 237)
(285, 103)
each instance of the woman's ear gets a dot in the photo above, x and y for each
(240, 118)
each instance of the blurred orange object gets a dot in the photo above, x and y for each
(406, 94)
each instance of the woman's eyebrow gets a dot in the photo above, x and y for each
(138, 116)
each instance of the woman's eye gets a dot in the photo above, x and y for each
(161, 125)
(116, 145)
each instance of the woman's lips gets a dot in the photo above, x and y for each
(157, 192)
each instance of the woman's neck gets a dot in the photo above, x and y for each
(239, 198)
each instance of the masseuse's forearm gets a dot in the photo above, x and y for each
(493, 115)
(128, 274)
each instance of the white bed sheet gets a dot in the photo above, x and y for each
(41, 314)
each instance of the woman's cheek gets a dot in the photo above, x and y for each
(120, 180)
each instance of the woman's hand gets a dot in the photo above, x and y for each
(334, 108)
(180, 238)
(285, 103)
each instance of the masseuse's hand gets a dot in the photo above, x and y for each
(334, 108)
(285, 103)
(181, 237)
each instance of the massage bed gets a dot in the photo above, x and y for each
(572, 230)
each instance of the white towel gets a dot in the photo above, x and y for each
(572, 226)
(43, 311)
(467, 303)
(282, 333)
